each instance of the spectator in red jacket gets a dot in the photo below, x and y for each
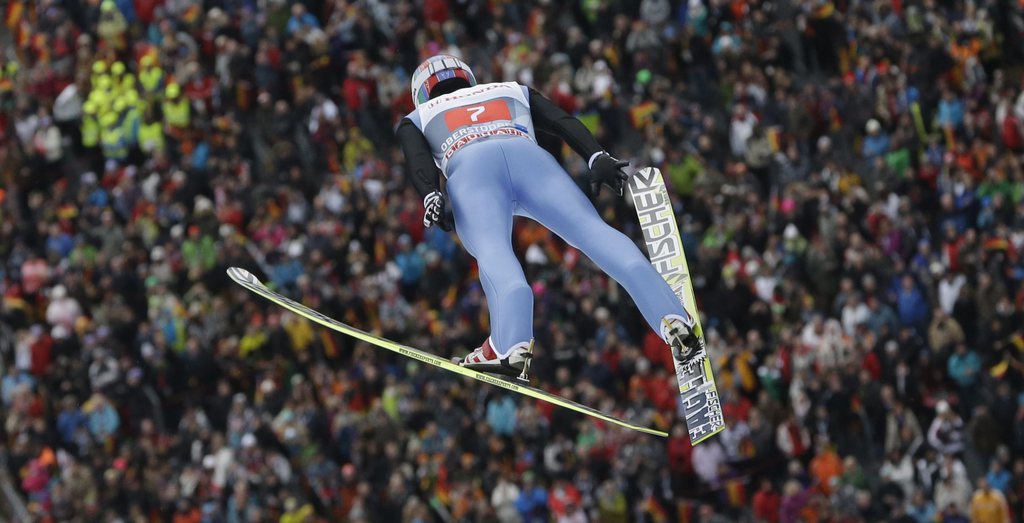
(767, 503)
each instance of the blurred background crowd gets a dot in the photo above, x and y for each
(847, 175)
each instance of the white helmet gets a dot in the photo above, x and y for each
(435, 70)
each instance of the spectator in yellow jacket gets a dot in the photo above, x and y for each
(988, 505)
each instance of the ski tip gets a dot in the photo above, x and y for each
(242, 276)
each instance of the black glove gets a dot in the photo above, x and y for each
(437, 211)
(607, 170)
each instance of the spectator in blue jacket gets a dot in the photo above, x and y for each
(411, 263)
(876, 143)
(911, 305)
(920, 508)
(533, 501)
(963, 366)
(951, 111)
(70, 419)
(998, 477)
(15, 378)
(501, 415)
(285, 274)
(103, 418)
(301, 19)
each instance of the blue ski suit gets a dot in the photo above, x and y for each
(483, 140)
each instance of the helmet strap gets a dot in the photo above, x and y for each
(448, 86)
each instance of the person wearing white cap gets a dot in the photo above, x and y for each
(876, 142)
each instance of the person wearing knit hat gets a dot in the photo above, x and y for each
(112, 137)
(117, 68)
(151, 132)
(112, 26)
(177, 112)
(151, 76)
(90, 127)
(99, 67)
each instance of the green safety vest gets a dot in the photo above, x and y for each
(151, 137)
(113, 144)
(90, 131)
(176, 114)
(151, 79)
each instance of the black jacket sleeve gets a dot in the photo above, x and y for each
(549, 118)
(419, 162)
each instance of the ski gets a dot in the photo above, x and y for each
(253, 284)
(702, 408)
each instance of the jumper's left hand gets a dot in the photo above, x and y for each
(436, 211)
(608, 170)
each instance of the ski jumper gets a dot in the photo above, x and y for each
(483, 140)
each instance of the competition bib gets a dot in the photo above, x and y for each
(455, 120)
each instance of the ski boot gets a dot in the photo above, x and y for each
(515, 364)
(678, 333)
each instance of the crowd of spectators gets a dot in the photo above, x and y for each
(847, 175)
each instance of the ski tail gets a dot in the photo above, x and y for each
(700, 402)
